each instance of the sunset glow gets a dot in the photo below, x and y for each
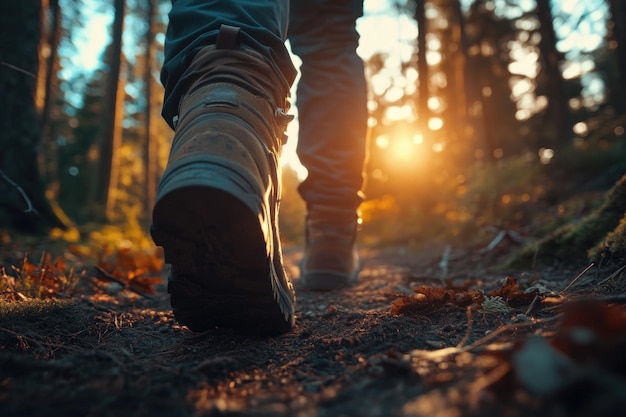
(392, 34)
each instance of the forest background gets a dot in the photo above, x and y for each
(485, 116)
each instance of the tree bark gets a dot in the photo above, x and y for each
(459, 63)
(49, 61)
(150, 143)
(618, 17)
(24, 206)
(557, 104)
(108, 172)
(423, 112)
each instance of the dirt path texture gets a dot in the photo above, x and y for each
(409, 340)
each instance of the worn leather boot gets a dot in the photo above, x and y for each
(217, 202)
(330, 260)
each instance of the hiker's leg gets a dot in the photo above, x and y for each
(331, 101)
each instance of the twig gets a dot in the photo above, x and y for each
(18, 69)
(111, 277)
(123, 283)
(503, 329)
(533, 305)
(495, 242)
(579, 276)
(514, 236)
(469, 329)
(613, 275)
(30, 208)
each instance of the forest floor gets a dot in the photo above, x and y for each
(403, 342)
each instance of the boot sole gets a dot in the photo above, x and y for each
(223, 272)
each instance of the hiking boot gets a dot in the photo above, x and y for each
(217, 202)
(330, 261)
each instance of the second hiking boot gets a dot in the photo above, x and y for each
(330, 261)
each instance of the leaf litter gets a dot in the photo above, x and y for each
(472, 347)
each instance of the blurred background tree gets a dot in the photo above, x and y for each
(24, 52)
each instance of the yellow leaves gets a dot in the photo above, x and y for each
(71, 234)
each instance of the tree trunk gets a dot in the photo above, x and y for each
(422, 66)
(460, 59)
(557, 104)
(150, 143)
(108, 173)
(452, 65)
(618, 17)
(50, 44)
(24, 205)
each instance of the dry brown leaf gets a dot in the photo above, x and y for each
(511, 293)
(428, 299)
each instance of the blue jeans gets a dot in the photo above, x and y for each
(331, 95)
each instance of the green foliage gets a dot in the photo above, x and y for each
(614, 245)
(504, 193)
(572, 242)
(594, 164)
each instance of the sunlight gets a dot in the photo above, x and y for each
(382, 31)
(581, 128)
(578, 69)
(403, 149)
(546, 155)
(92, 39)
(380, 82)
(522, 87)
(525, 61)
(397, 113)
(435, 123)
(568, 6)
(382, 142)
(433, 58)
(289, 157)
(435, 104)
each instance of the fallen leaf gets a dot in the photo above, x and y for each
(541, 369)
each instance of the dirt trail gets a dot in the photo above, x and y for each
(349, 355)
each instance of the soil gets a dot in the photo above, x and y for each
(123, 354)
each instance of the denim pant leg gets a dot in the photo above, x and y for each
(331, 100)
(194, 24)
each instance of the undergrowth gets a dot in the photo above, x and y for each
(519, 194)
(73, 261)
